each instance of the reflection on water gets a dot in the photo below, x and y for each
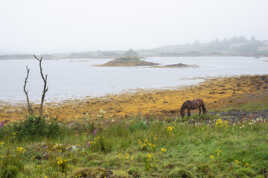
(80, 78)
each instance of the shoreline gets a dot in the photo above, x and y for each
(123, 92)
(158, 102)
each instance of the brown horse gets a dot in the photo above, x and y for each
(193, 104)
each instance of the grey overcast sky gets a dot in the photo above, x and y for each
(30, 26)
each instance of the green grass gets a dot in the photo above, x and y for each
(132, 148)
(258, 103)
(249, 107)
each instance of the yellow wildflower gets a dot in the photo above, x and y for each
(127, 156)
(139, 141)
(163, 150)
(219, 122)
(2, 143)
(170, 128)
(119, 156)
(20, 149)
(212, 157)
(149, 156)
(218, 152)
(60, 161)
(146, 140)
(237, 162)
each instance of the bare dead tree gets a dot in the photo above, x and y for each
(45, 87)
(29, 106)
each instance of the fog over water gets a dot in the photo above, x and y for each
(31, 26)
(80, 78)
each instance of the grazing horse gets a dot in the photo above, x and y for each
(193, 104)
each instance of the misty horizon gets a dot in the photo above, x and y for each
(141, 49)
(76, 26)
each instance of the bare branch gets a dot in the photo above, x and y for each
(45, 88)
(29, 106)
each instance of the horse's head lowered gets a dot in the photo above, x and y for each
(193, 104)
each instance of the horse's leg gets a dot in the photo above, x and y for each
(189, 112)
(204, 108)
(199, 108)
(182, 112)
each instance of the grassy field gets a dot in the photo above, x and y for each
(135, 147)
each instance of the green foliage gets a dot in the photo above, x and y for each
(5, 131)
(134, 172)
(138, 125)
(35, 127)
(179, 172)
(134, 148)
(118, 130)
(101, 144)
(202, 117)
(90, 172)
(10, 166)
(244, 172)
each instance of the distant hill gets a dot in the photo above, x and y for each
(236, 46)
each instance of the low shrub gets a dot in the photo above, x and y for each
(35, 127)
(138, 125)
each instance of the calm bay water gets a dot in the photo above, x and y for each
(76, 78)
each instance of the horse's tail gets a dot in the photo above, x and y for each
(203, 107)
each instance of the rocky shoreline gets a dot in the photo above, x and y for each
(243, 116)
(217, 93)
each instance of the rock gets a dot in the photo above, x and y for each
(179, 65)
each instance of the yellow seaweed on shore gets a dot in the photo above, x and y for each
(214, 92)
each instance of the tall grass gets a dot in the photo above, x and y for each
(138, 147)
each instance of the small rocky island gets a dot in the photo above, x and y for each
(130, 58)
